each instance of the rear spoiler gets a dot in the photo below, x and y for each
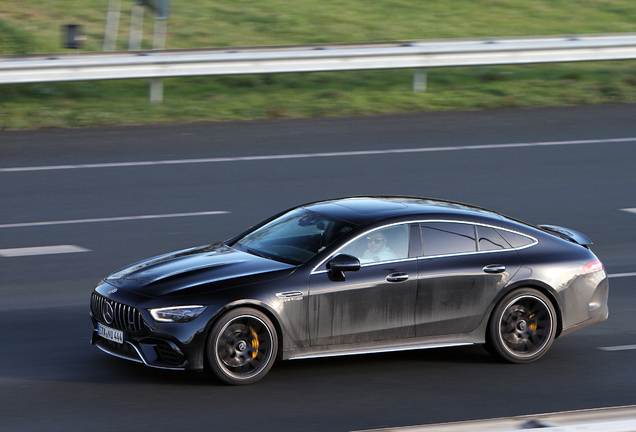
(568, 234)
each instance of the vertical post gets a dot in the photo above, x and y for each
(136, 27)
(156, 90)
(158, 42)
(419, 80)
(112, 25)
(159, 35)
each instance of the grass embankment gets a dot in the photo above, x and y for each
(31, 26)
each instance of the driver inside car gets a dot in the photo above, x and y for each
(377, 249)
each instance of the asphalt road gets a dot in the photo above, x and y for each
(93, 188)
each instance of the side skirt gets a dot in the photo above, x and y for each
(384, 346)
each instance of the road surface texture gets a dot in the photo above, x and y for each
(78, 204)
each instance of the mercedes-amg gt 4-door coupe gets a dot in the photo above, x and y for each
(351, 276)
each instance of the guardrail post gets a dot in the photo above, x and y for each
(156, 90)
(158, 43)
(159, 35)
(419, 80)
(136, 27)
(112, 25)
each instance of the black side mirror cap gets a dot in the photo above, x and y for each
(340, 264)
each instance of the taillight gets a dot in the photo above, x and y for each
(591, 267)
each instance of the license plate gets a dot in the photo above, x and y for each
(110, 333)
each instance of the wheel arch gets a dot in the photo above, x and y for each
(534, 284)
(254, 304)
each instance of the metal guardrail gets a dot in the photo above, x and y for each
(314, 58)
(616, 419)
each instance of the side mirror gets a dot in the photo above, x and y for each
(340, 264)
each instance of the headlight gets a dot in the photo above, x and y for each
(176, 314)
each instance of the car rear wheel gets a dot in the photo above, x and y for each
(522, 326)
(242, 346)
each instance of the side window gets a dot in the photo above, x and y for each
(383, 244)
(489, 239)
(515, 240)
(444, 238)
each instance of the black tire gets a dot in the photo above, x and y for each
(242, 346)
(522, 326)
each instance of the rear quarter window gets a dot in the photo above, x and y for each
(515, 240)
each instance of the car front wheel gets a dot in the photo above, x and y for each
(242, 346)
(522, 326)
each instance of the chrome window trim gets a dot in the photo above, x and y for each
(534, 242)
(473, 253)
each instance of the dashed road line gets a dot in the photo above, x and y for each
(112, 219)
(316, 155)
(619, 348)
(41, 250)
(621, 275)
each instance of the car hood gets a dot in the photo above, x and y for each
(177, 271)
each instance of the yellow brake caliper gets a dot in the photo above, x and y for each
(254, 343)
(533, 326)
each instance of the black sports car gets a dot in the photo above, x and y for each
(350, 276)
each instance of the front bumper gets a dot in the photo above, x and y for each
(150, 349)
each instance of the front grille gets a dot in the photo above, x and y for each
(124, 317)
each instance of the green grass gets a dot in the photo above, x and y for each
(31, 26)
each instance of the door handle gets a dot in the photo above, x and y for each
(397, 277)
(495, 268)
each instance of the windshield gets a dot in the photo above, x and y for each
(295, 237)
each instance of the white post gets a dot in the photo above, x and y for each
(419, 80)
(158, 42)
(136, 27)
(112, 25)
(156, 90)
(159, 36)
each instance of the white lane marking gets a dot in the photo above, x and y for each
(41, 250)
(630, 210)
(316, 155)
(619, 348)
(621, 275)
(112, 219)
